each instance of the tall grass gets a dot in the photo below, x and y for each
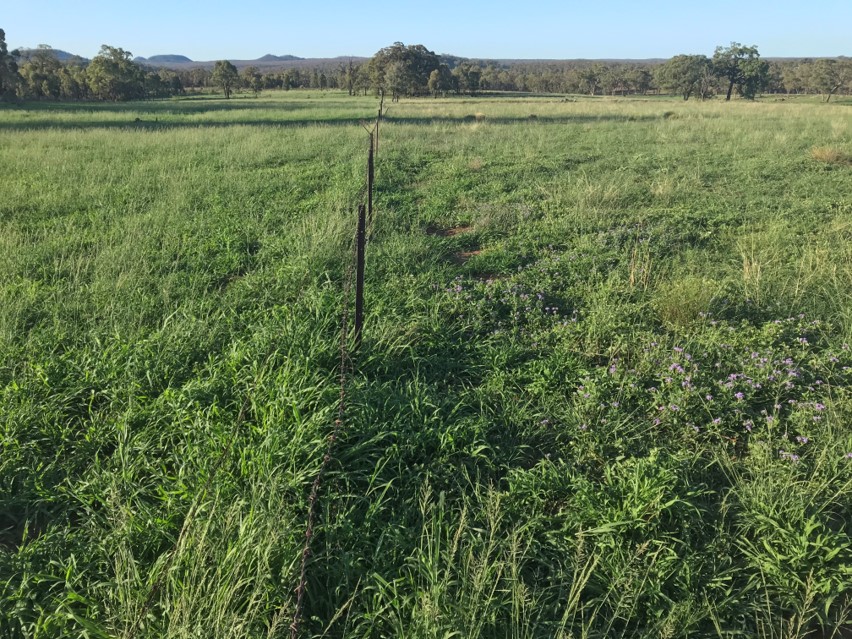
(612, 402)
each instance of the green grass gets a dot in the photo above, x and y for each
(615, 401)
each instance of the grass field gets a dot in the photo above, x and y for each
(605, 388)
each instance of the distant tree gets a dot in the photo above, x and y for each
(199, 77)
(740, 67)
(41, 74)
(173, 81)
(397, 79)
(73, 83)
(684, 74)
(363, 80)
(827, 76)
(402, 70)
(467, 77)
(614, 80)
(225, 76)
(9, 78)
(590, 77)
(440, 80)
(290, 79)
(346, 74)
(112, 75)
(252, 79)
(774, 78)
(640, 79)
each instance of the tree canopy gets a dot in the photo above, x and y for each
(403, 70)
(113, 75)
(8, 70)
(686, 74)
(225, 76)
(742, 68)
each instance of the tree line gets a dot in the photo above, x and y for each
(406, 71)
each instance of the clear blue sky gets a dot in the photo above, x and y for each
(496, 29)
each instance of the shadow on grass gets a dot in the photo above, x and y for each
(148, 124)
(188, 105)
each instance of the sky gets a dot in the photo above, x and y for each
(523, 29)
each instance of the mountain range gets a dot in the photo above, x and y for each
(270, 62)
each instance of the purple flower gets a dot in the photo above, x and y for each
(739, 396)
(802, 440)
(674, 407)
(718, 420)
(819, 406)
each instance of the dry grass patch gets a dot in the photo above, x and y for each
(830, 155)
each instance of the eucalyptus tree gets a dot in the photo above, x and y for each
(402, 70)
(741, 67)
(252, 79)
(225, 76)
(112, 75)
(827, 76)
(440, 80)
(684, 74)
(9, 78)
(40, 73)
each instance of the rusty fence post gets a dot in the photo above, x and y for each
(371, 173)
(360, 241)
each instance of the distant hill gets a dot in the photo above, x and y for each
(162, 59)
(62, 56)
(266, 63)
(278, 58)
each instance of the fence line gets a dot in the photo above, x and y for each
(365, 218)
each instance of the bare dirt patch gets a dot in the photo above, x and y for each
(463, 256)
(451, 232)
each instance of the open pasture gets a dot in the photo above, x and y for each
(604, 388)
